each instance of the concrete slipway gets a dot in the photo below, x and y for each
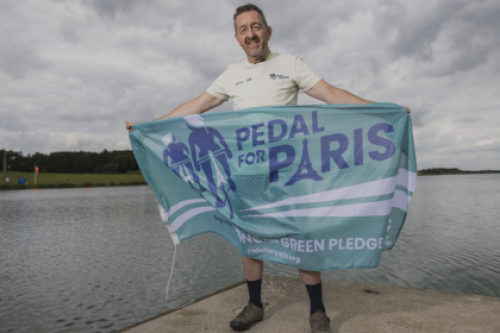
(352, 307)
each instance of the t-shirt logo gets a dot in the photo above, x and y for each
(275, 76)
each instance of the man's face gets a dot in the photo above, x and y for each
(252, 34)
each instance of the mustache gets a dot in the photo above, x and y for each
(254, 39)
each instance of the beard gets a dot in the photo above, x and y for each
(255, 52)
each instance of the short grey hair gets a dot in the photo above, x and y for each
(248, 8)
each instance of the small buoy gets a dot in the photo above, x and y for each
(36, 190)
(149, 188)
(88, 189)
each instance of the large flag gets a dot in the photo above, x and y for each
(314, 187)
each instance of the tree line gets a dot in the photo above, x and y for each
(451, 171)
(117, 161)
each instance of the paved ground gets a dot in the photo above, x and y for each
(352, 307)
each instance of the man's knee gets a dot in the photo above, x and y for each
(310, 277)
(252, 261)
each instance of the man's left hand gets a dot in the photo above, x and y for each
(128, 125)
(407, 109)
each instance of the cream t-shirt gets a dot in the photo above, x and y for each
(275, 81)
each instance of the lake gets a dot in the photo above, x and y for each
(73, 260)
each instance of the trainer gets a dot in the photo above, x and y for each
(266, 78)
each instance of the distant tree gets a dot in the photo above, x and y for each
(125, 162)
(62, 162)
(74, 162)
(111, 168)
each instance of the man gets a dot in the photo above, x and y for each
(265, 79)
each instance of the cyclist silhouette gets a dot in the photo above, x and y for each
(204, 138)
(179, 162)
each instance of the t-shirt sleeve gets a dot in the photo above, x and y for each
(218, 88)
(304, 75)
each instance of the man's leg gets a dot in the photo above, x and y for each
(318, 319)
(253, 274)
(312, 280)
(254, 311)
(310, 277)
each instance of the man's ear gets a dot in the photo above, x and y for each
(236, 36)
(269, 32)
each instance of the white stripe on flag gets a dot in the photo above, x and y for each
(378, 187)
(162, 213)
(401, 200)
(183, 218)
(407, 179)
(179, 205)
(174, 236)
(377, 208)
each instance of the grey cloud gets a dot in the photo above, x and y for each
(416, 34)
(19, 59)
(99, 63)
(468, 120)
(69, 34)
(109, 8)
(474, 37)
(420, 118)
(12, 121)
(300, 28)
(36, 141)
(187, 33)
(461, 30)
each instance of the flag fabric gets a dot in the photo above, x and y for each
(36, 169)
(314, 187)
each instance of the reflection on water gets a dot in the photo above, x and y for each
(97, 261)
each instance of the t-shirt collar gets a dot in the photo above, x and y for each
(267, 58)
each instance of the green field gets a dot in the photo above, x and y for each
(76, 179)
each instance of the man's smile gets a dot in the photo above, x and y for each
(251, 43)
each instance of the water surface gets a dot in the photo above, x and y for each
(73, 260)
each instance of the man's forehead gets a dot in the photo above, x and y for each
(248, 18)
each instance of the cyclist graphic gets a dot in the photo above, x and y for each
(180, 163)
(210, 158)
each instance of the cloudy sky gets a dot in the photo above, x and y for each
(72, 72)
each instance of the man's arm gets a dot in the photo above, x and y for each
(332, 95)
(200, 104)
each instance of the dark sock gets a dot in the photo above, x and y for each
(254, 288)
(315, 295)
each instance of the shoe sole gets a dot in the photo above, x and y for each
(243, 328)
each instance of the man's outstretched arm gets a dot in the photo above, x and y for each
(200, 104)
(332, 95)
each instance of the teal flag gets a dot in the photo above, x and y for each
(314, 187)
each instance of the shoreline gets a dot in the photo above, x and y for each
(10, 187)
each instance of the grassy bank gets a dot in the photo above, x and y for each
(69, 180)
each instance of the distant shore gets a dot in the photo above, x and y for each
(452, 171)
(71, 180)
(74, 180)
